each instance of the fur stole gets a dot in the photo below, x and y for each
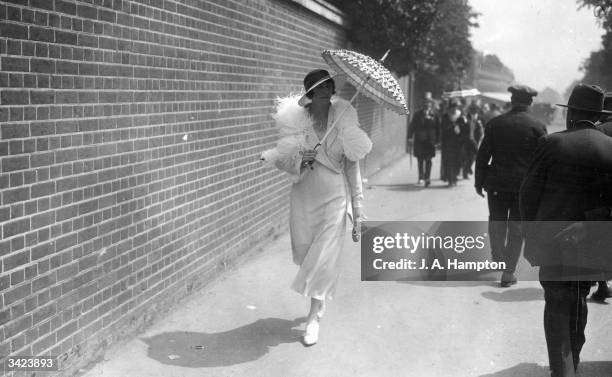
(293, 123)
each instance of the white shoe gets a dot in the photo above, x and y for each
(311, 334)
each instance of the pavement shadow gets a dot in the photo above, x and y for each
(522, 370)
(597, 302)
(445, 284)
(585, 369)
(396, 187)
(239, 345)
(515, 295)
(407, 187)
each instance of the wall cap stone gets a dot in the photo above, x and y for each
(325, 10)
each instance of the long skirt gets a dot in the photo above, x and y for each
(318, 227)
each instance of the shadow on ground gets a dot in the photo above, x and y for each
(447, 284)
(240, 345)
(586, 369)
(396, 187)
(515, 295)
(406, 186)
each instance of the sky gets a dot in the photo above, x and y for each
(544, 42)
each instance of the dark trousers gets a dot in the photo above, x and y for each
(468, 161)
(565, 318)
(424, 168)
(504, 228)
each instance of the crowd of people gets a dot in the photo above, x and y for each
(548, 194)
(455, 129)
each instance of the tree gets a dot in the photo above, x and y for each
(598, 67)
(430, 38)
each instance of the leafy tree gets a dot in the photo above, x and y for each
(598, 67)
(430, 38)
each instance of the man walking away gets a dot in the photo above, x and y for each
(425, 131)
(603, 287)
(501, 163)
(562, 203)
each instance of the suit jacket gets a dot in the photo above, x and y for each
(426, 131)
(509, 143)
(567, 182)
(606, 127)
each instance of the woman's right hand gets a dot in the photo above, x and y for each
(308, 156)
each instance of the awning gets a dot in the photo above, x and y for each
(460, 93)
(497, 96)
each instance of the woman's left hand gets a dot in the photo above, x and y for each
(356, 234)
(357, 218)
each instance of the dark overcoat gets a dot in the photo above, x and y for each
(425, 128)
(506, 150)
(451, 140)
(568, 180)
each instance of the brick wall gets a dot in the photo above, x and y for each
(386, 129)
(129, 137)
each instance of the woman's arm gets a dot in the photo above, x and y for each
(353, 176)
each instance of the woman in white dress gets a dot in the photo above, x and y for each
(327, 186)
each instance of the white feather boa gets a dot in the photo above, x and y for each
(293, 123)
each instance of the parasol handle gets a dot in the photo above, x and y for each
(350, 102)
(385, 56)
(336, 121)
(346, 107)
(342, 113)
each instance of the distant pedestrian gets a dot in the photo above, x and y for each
(327, 184)
(424, 130)
(508, 145)
(490, 112)
(563, 189)
(451, 126)
(471, 135)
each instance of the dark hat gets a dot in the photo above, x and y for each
(586, 98)
(453, 104)
(607, 105)
(313, 79)
(522, 93)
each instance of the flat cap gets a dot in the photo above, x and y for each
(522, 90)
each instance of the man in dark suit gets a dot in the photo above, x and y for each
(562, 191)
(603, 287)
(606, 119)
(501, 162)
(425, 131)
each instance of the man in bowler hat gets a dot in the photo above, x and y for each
(606, 119)
(501, 162)
(603, 287)
(425, 130)
(561, 193)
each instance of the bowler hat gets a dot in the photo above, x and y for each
(607, 105)
(522, 93)
(586, 98)
(313, 79)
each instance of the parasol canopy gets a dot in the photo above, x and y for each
(369, 76)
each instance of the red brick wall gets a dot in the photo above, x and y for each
(129, 140)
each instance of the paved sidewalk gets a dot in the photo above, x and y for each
(248, 323)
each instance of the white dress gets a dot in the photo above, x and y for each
(322, 197)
